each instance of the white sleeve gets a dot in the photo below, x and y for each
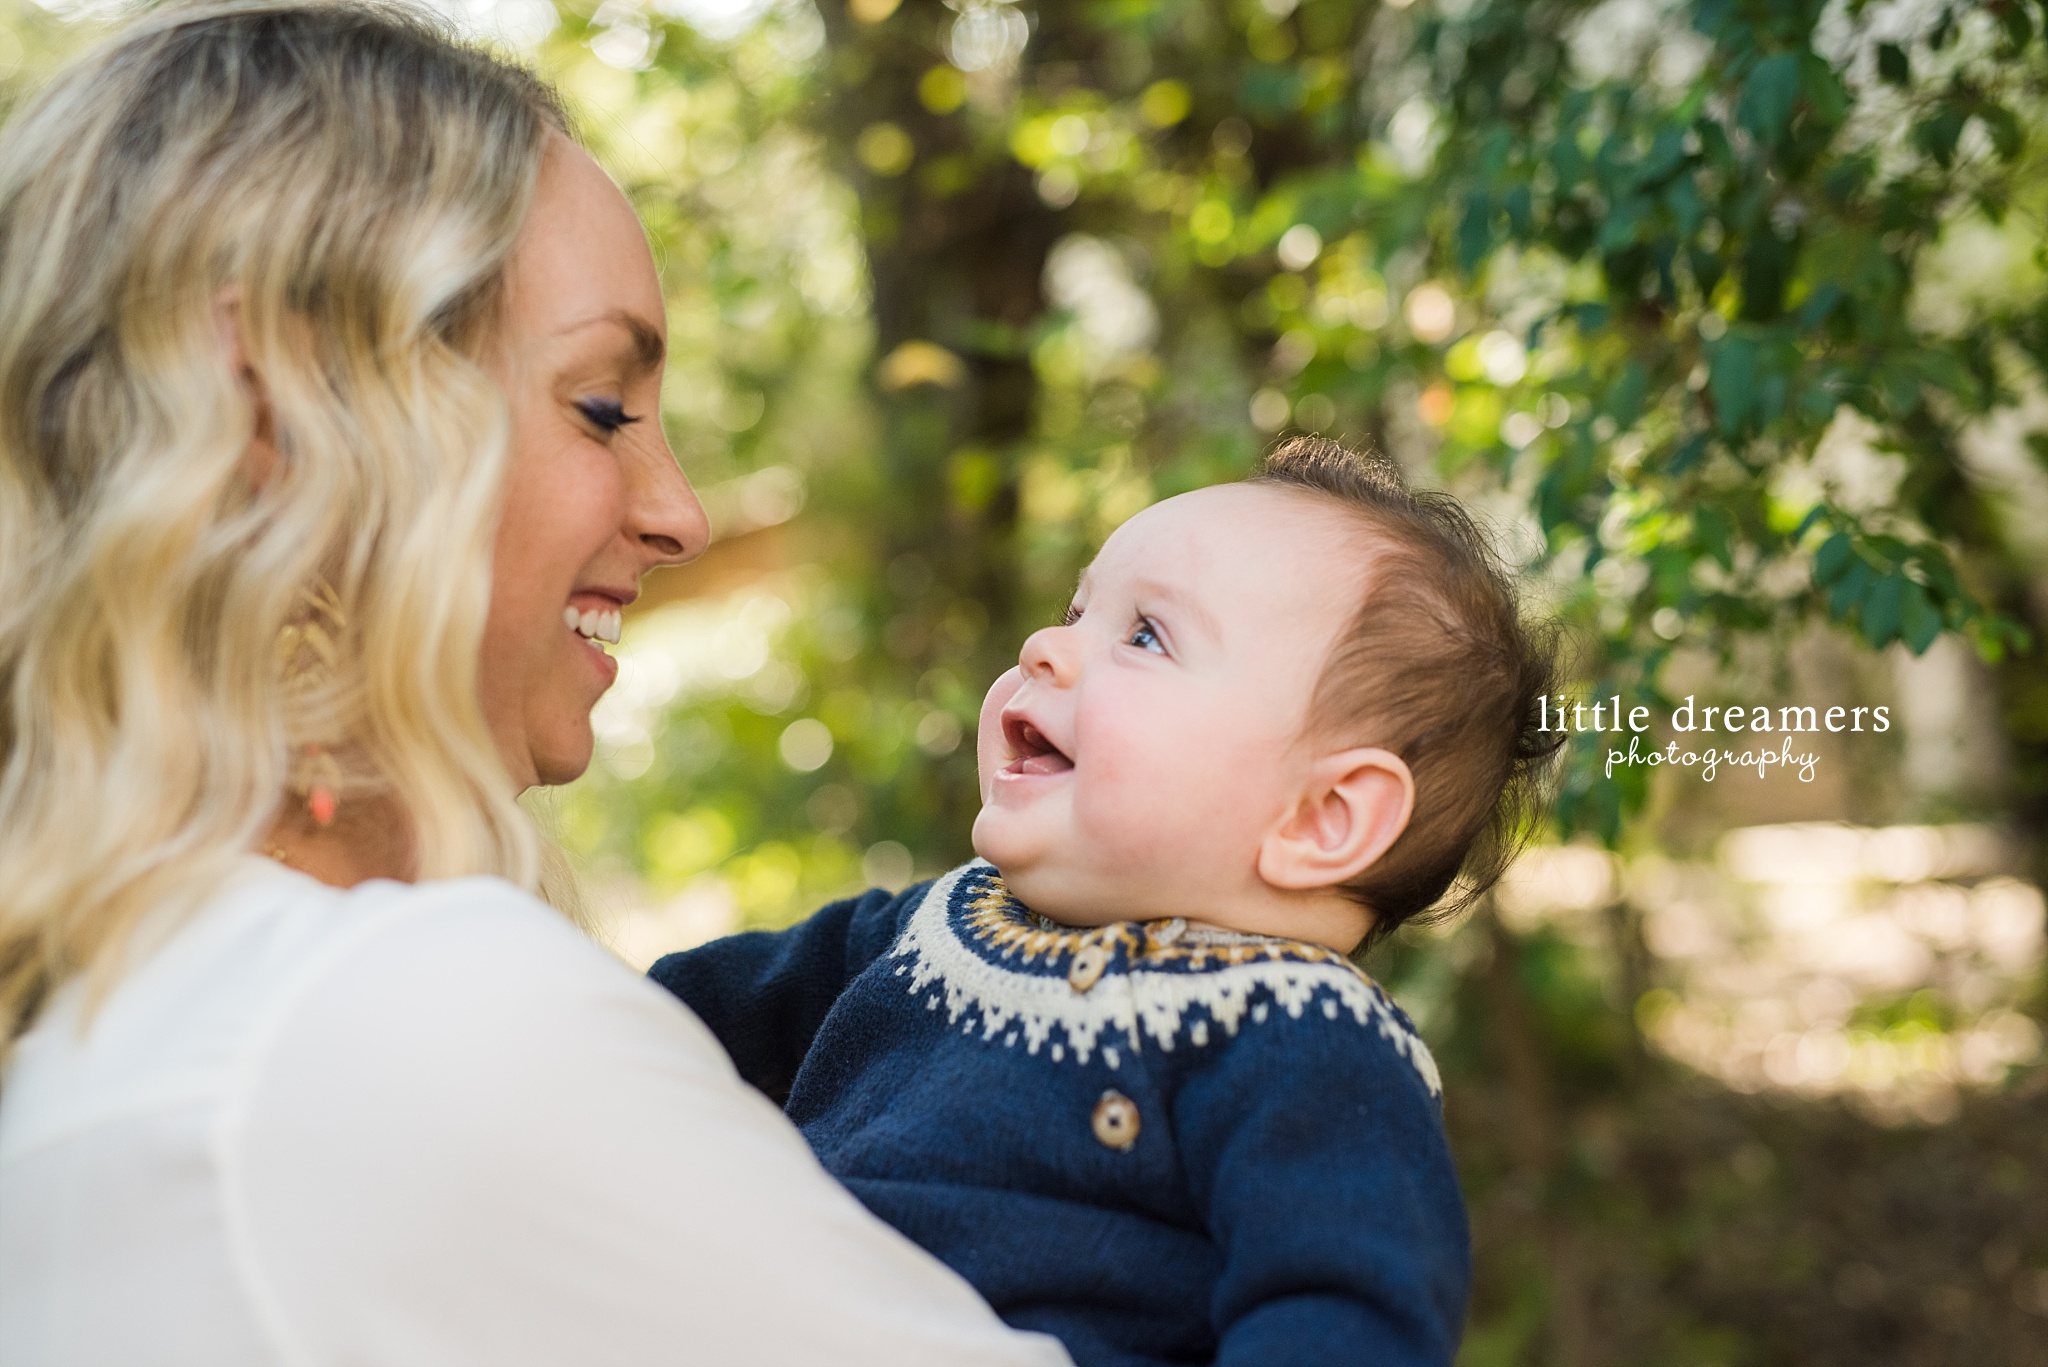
(479, 1139)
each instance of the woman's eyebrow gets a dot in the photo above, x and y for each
(649, 350)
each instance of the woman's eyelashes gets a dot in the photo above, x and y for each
(608, 415)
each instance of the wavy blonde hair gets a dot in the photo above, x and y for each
(349, 182)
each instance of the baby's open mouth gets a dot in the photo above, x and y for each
(1034, 753)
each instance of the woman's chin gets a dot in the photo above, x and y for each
(561, 759)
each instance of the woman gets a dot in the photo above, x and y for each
(329, 374)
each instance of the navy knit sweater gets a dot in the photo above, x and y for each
(1162, 1145)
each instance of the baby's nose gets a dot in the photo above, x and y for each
(1048, 655)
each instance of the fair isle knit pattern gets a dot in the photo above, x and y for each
(974, 950)
(1168, 1146)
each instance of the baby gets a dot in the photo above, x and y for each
(1121, 1073)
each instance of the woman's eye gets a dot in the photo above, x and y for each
(1144, 637)
(607, 414)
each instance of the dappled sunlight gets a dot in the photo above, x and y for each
(712, 689)
(1886, 966)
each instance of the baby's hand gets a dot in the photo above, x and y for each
(990, 752)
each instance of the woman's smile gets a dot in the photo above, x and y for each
(594, 498)
(595, 624)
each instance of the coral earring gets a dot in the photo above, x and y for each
(325, 778)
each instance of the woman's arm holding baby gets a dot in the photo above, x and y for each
(765, 993)
(1315, 1149)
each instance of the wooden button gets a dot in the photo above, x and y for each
(1086, 970)
(1116, 1120)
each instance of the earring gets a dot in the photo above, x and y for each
(307, 652)
(320, 799)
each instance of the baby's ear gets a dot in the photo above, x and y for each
(1353, 808)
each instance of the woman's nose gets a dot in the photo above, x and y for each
(1049, 656)
(665, 519)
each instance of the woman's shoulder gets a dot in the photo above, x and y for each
(483, 1123)
(274, 938)
(449, 1001)
(277, 925)
(485, 926)
(212, 992)
(477, 928)
(443, 1125)
(381, 905)
(468, 973)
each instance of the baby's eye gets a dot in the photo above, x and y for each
(608, 415)
(1144, 637)
(1071, 616)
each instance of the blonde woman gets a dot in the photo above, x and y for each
(329, 369)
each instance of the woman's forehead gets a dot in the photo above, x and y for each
(583, 253)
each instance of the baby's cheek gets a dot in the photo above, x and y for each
(1141, 809)
(1198, 814)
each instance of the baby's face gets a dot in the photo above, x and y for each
(1158, 735)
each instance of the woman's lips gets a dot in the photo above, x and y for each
(606, 665)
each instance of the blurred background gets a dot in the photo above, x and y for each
(1731, 318)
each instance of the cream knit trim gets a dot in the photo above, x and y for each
(1126, 1007)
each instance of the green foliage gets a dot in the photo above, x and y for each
(1629, 289)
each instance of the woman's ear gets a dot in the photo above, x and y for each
(259, 461)
(1353, 808)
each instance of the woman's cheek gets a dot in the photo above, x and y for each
(592, 505)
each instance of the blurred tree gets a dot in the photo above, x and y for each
(1619, 277)
(1634, 276)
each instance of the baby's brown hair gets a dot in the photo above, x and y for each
(1438, 667)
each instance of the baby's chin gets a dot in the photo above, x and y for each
(1045, 884)
(1062, 899)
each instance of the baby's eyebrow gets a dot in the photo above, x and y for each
(1185, 602)
(1068, 613)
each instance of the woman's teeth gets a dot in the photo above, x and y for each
(593, 625)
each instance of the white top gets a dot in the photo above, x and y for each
(429, 1124)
